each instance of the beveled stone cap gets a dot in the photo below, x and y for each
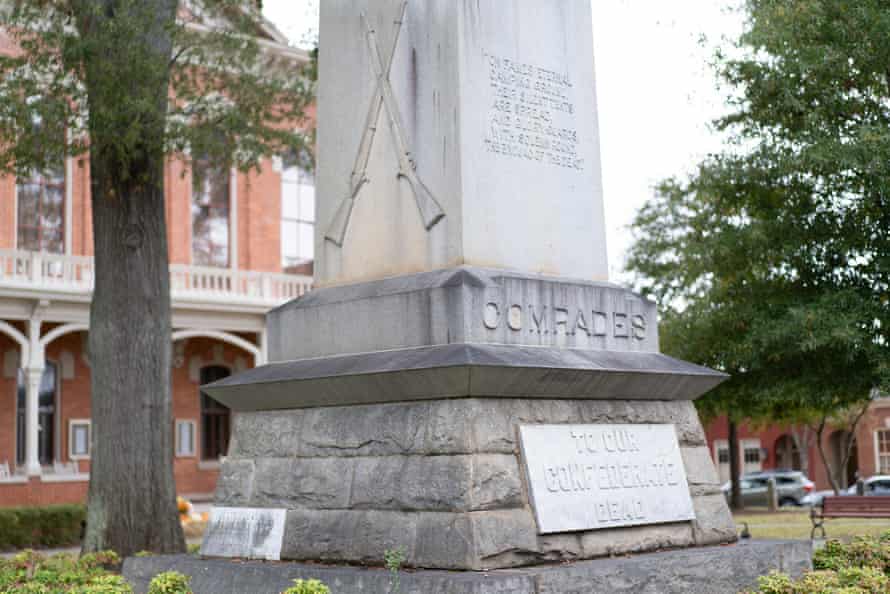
(462, 371)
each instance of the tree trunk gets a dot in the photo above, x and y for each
(132, 494)
(735, 501)
(820, 446)
(803, 439)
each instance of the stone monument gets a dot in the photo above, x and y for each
(463, 384)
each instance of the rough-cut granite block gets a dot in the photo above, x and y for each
(444, 480)
(317, 483)
(234, 488)
(713, 523)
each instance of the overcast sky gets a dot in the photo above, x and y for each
(657, 94)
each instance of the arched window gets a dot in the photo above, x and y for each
(46, 416)
(215, 417)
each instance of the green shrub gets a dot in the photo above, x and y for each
(307, 587)
(32, 573)
(51, 526)
(170, 582)
(858, 567)
(861, 552)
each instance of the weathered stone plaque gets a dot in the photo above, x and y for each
(588, 477)
(243, 532)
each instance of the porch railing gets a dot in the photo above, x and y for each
(74, 274)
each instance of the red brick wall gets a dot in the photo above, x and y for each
(7, 212)
(876, 418)
(37, 492)
(259, 220)
(259, 215)
(74, 403)
(7, 406)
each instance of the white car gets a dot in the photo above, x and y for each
(874, 485)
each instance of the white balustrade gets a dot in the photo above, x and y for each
(74, 274)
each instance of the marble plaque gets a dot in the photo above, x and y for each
(589, 477)
(245, 533)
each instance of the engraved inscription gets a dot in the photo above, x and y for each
(565, 321)
(244, 532)
(532, 114)
(603, 476)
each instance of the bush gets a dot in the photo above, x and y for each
(307, 587)
(35, 527)
(170, 582)
(31, 573)
(859, 567)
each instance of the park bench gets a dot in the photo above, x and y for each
(848, 506)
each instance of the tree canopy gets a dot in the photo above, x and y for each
(772, 261)
(132, 83)
(232, 97)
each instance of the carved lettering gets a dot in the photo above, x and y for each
(492, 316)
(560, 320)
(539, 319)
(532, 114)
(604, 476)
(600, 322)
(621, 330)
(514, 318)
(638, 323)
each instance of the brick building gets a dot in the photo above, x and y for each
(773, 446)
(236, 241)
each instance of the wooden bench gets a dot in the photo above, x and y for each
(848, 506)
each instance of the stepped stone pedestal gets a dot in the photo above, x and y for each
(464, 384)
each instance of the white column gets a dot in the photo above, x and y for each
(263, 356)
(69, 205)
(33, 376)
(233, 220)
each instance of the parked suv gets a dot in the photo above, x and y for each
(792, 487)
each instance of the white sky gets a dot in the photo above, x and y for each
(657, 94)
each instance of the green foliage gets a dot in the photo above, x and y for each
(95, 76)
(772, 262)
(50, 526)
(170, 582)
(393, 559)
(31, 573)
(194, 549)
(860, 567)
(307, 587)
(861, 552)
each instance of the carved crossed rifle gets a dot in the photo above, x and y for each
(430, 210)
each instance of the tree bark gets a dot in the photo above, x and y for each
(803, 439)
(132, 493)
(820, 446)
(735, 501)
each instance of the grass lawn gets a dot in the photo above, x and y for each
(796, 524)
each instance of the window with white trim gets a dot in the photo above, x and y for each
(297, 215)
(79, 438)
(882, 445)
(211, 187)
(185, 438)
(40, 208)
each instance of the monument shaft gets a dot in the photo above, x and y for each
(476, 144)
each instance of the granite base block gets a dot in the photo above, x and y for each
(442, 480)
(709, 570)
